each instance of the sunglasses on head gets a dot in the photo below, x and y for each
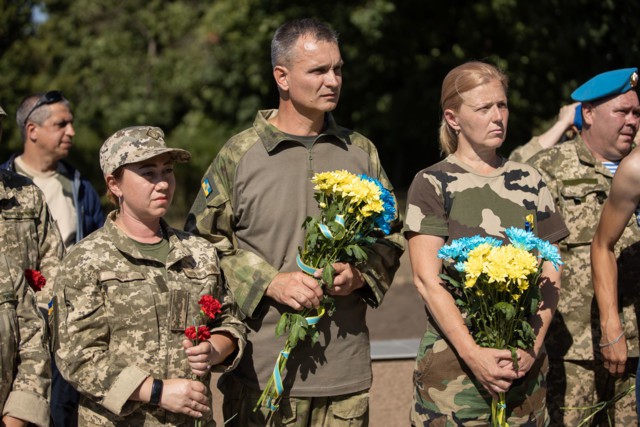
(51, 97)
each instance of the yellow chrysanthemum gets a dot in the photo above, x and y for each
(361, 194)
(474, 266)
(508, 264)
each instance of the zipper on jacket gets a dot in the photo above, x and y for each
(310, 163)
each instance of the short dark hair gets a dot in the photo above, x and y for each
(286, 36)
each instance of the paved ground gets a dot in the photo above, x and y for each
(401, 315)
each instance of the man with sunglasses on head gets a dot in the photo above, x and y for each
(46, 127)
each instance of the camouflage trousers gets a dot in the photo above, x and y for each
(445, 395)
(350, 410)
(582, 384)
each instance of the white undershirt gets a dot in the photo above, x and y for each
(58, 192)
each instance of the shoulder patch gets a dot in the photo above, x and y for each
(206, 187)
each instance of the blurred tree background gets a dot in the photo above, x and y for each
(201, 69)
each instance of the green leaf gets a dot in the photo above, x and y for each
(281, 327)
(359, 253)
(514, 357)
(315, 336)
(507, 309)
(452, 281)
(327, 275)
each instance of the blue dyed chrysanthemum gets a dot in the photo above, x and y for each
(521, 239)
(458, 250)
(460, 266)
(548, 252)
(385, 218)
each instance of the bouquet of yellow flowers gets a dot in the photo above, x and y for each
(498, 291)
(352, 209)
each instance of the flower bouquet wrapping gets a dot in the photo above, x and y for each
(352, 208)
(498, 291)
(199, 331)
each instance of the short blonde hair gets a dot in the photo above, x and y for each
(462, 79)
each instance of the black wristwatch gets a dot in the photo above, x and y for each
(156, 392)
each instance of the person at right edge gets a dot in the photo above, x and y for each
(474, 191)
(579, 174)
(254, 199)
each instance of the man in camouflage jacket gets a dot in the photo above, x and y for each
(254, 199)
(579, 179)
(29, 241)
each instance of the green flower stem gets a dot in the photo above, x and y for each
(270, 389)
(499, 411)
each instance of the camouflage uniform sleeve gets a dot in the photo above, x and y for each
(524, 152)
(83, 355)
(230, 322)
(211, 217)
(29, 392)
(51, 249)
(384, 256)
(539, 162)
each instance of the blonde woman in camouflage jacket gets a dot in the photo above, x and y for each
(126, 294)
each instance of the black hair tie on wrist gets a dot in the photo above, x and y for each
(156, 392)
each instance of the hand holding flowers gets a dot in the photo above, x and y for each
(498, 291)
(352, 209)
(199, 344)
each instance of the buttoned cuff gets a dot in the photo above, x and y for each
(28, 407)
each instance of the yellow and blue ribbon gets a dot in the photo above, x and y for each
(277, 377)
(326, 232)
(305, 267)
(277, 380)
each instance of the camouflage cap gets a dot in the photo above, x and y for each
(135, 144)
(2, 114)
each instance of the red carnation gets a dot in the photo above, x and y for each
(190, 333)
(210, 306)
(203, 333)
(35, 279)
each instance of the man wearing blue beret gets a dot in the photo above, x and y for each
(579, 174)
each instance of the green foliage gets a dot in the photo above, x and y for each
(200, 70)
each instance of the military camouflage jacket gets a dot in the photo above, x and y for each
(580, 185)
(120, 316)
(29, 240)
(526, 151)
(254, 199)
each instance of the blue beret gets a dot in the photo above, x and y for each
(610, 83)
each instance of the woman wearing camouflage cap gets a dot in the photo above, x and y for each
(126, 293)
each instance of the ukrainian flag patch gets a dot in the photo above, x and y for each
(206, 187)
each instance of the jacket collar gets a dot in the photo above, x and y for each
(586, 156)
(272, 137)
(177, 250)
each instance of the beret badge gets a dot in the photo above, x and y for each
(633, 80)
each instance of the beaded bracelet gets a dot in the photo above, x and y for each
(607, 344)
